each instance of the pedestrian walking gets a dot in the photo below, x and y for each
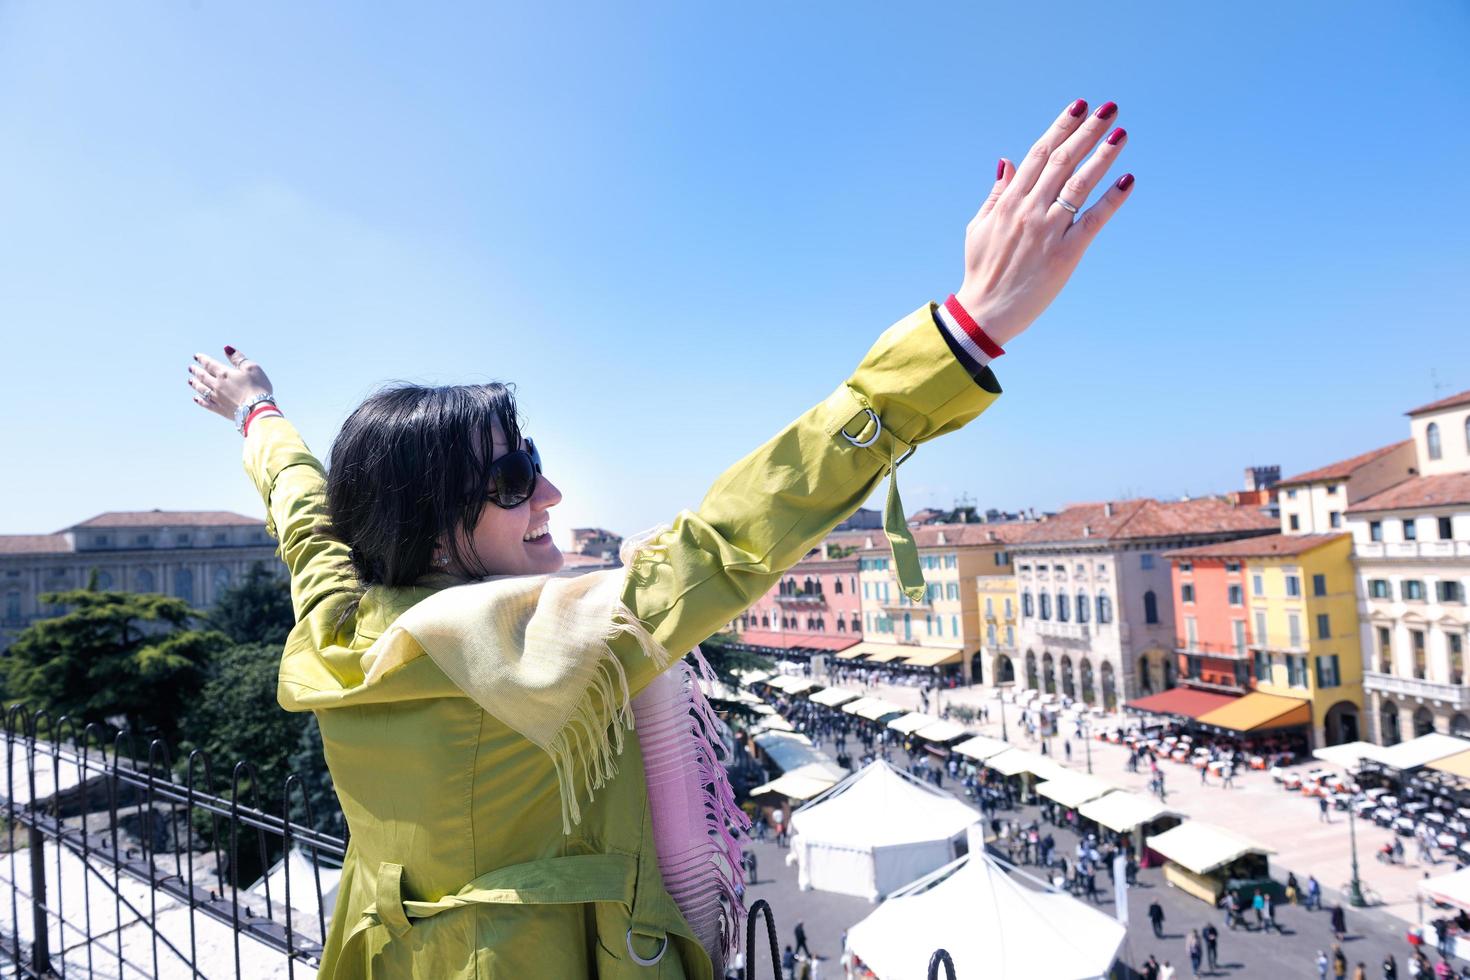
(1258, 905)
(1212, 940)
(801, 946)
(1360, 972)
(788, 964)
(1339, 922)
(1339, 963)
(1166, 972)
(1321, 965)
(1314, 893)
(1204, 775)
(1322, 815)
(1156, 917)
(1232, 911)
(1195, 948)
(1268, 906)
(1227, 776)
(1390, 967)
(1150, 969)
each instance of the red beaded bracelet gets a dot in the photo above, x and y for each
(971, 328)
(265, 409)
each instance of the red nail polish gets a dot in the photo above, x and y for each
(1000, 169)
(1106, 110)
(1125, 182)
(229, 351)
(1116, 136)
(1078, 108)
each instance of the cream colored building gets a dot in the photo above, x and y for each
(194, 555)
(1411, 546)
(946, 626)
(1316, 502)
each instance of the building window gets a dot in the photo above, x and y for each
(143, 581)
(1082, 610)
(1291, 495)
(1294, 586)
(1335, 518)
(1025, 568)
(1191, 632)
(1327, 675)
(1293, 630)
(989, 606)
(954, 625)
(1378, 588)
(221, 537)
(855, 624)
(1238, 627)
(1064, 607)
(1334, 488)
(1411, 530)
(952, 590)
(142, 539)
(1104, 610)
(1010, 608)
(1449, 592)
(841, 625)
(1010, 636)
(1412, 590)
(1232, 566)
(12, 607)
(1375, 530)
(1457, 658)
(1385, 650)
(1146, 561)
(1417, 638)
(1151, 606)
(837, 586)
(184, 584)
(1026, 610)
(102, 540)
(1431, 436)
(1002, 558)
(1046, 605)
(1319, 585)
(1258, 584)
(104, 581)
(1296, 670)
(990, 634)
(1236, 596)
(1446, 529)
(1324, 626)
(1263, 666)
(1186, 592)
(1186, 566)
(1296, 522)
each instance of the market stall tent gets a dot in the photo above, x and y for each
(1072, 789)
(1201, 858)
(993, 926)
(875, 832)
(981, 747)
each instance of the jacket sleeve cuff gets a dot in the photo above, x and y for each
(965, 350)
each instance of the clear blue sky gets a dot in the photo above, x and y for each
(676, 227)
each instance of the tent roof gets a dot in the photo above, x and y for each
(1014, 761)
(881, 653)
(941, 731)
(853, 707)
(800, 784)
(876, 709)
(1453, 888)
(1422, 750)
(833, 696)
(792, 685)
(1072, 789)
(1184, 702)
(771, 722)
(935, 656)
(879, 806)
(749, 676)
(1456, 765)
(791, 752)
(982, 747)
(911, 722)
(992, 925)
(1349, 755)
(1203, 847)
(1124, 811)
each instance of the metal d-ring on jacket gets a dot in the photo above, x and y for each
(458, 866)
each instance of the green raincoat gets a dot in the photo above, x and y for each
(458, 865)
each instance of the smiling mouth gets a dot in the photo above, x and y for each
(542, 534)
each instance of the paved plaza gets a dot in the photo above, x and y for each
(1256, 807)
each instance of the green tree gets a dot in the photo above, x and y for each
(256, 609)
(113, 655)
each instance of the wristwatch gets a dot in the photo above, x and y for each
(243, 412)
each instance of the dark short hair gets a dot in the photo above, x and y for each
(408, 470)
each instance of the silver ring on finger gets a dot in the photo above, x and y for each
(1065, 204)
(206, 393)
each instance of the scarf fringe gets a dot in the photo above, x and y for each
(591, 739)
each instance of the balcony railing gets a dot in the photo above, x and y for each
(814, 598)
(1412, 549)
(1453, 695)
(1227, 652)
(1069, 631)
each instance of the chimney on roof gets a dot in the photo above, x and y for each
(1087, 530)
(941, 538)
(990, 536)
(1108, 509)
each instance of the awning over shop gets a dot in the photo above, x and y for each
(1015, 761)
(1258, 712)
(853, 707)
(882, 653)
(792, 685)
(1202, 847)
(1451, 889)
(777, 641)
(800, 784)
(1183, 702)
(982, 747)
(748, 678)
(942, 731)
(793, 753)
(1455, 765)
(935, 657)
(720, 691)
(834, 696)
(1349, 755)
(772, 723)
(912, 722)
(1124, 811)
(1422, 751)
(853, 652)
(1074, 789)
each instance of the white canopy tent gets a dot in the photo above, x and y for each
(993, 926)
(1349, 755)
(834, 696)
(876, 831)
(1125, 811)
(982, 747)
(912, 722)
(876, 709)
(1421, 751)
(942, 731)
(792, 685)
(1073, 789)
(1452, 889)
(803, 782)
(1016, 761)
(1201, 847)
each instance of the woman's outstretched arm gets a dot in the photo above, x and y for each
(924, 377)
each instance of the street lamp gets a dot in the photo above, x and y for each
(1001, 686)
(1355, 887)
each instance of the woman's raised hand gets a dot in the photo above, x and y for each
(1021, 248)
(222, 388)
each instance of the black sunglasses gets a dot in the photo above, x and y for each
(513, 476)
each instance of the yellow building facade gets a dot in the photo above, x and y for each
(999, 607)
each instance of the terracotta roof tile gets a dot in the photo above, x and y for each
(1147, 518)
(1342, 469)
(1420, 491)
(1262, 547)
(168, 518)
(1463, 398)
(34, 544)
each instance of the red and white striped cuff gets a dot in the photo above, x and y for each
(264, 410)
(967, 333)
